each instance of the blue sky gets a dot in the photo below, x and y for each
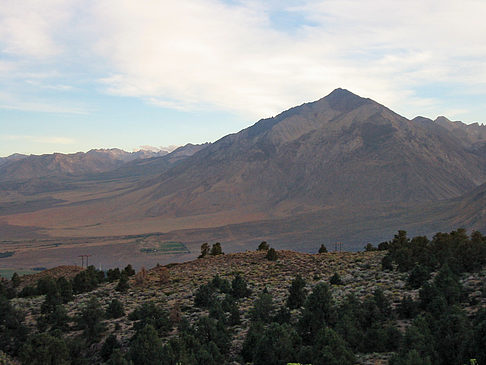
(82, 74)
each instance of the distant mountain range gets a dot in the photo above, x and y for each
(17, 166)
(340, 168)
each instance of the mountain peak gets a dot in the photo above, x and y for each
(344, 100)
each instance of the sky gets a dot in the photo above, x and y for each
(83, 74)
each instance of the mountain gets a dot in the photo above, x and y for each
(58, 164)
(341, 150)
(472, 134)
(14, 157)
(470, 209)
(342, 168)
(152, 166)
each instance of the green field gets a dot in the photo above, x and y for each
(7, 273)
(165, 248)
(6, 254)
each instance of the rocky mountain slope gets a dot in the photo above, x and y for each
(340, 150)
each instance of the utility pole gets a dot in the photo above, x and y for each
(82, 260)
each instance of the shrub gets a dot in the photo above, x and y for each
(322, 249)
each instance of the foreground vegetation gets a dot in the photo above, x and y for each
(407, 301)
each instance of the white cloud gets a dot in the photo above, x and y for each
(29, 28)
(200, 54)
(39, 104)
(38, 139)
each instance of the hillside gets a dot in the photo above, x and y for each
(176, 292)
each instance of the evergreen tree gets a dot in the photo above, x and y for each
(253, 336)
(85, 281)
(239, 287)
(151, 314)
(263, 308)
(369, 247)
(317, 313)
(56, 319)
(42, 349)
(272, 255)
(387, 263)
(146, 347)
(129, 270)
(297, 293)
(204, 295)
(15, 280)
(111, 343)
(216, 249)
(330, 349)
(418, 276)
(412, 357)
(263, 246)
(65, 289)
(123, 285)
(115, 309)
(90, 320)
(234, 314)
(113, 275)
(322, 249)
(336, 279)
(204, 250)
(12, 329)
(210, 330)
(279, 344)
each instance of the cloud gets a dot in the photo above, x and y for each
(29, 28)
(248, 57)
(198, 53)
(38, 104)
(39, 139)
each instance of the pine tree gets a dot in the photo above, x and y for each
(272, 255)
(297, 293)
